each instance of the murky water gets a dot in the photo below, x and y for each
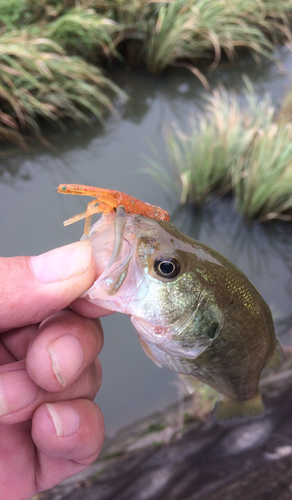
(32, 213)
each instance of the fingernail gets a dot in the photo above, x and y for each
(67, 358)
(65, 418)
(62, 263)
(17, 391)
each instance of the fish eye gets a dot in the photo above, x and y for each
(167, 267)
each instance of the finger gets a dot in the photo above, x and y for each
(65, 345)
(16, 342)
(72, 430)
(68, 436)
(20, 396)
(33, 288)
(5, 355)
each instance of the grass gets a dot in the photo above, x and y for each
(155, 427)
(41, 39)
(17, 14)
(202, 159)
(263, 187)
(85, 33)
(262, 178)
(187, 31)
(244, 148)
(39, 81)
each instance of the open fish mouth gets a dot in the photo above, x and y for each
(119, 227)
(113, 246)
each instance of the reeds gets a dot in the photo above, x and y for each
(39, 81)
(40, 39)
(243, 148)
(263, 179)
(167, 32)
(188, 30)
(17, 14)
(85, 33)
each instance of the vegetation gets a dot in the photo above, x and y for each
(155, 427)
(262, 187)
(191, 30)
(245, 149)
(41, 39)
(38, 81)
(84, 33)
(41, 75)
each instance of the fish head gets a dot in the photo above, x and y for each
(148, 270)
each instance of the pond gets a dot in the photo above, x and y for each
(32, 212)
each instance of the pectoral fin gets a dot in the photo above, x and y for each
(189, 382)
(227, 410)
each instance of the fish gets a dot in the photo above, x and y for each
(194, 311)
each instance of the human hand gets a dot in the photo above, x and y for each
(49, 374)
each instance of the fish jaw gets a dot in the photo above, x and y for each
(102, 240)
(113, 241)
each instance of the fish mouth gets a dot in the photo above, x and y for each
(113, 244)
(162, 337)
(120, 224)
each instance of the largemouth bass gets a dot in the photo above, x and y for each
(194, 310)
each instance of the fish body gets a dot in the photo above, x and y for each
(194, 310)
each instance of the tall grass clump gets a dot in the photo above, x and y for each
(263, 182)
(135, 20)
(202, 160)
(189, 30)
(262, 179)
(85, 33)
(39, 82)
(242, 147)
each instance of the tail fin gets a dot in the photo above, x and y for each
(228, 410)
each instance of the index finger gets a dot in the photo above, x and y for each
(32, 288)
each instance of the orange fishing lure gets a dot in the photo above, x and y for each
(106, 201)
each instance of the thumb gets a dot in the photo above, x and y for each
(32, 288)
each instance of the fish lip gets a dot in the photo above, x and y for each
(166, 344)
(107, 279)
(105, 289)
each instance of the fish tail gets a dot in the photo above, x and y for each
(227, 410)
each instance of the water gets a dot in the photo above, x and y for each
(32, 213)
